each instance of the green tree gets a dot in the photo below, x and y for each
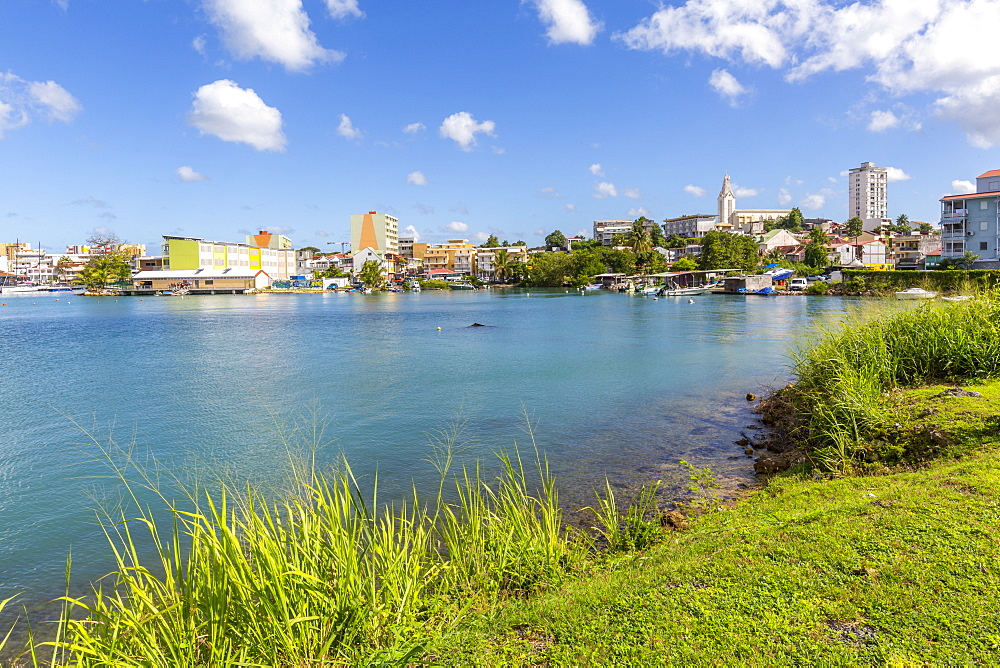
(686, 263)
(315, 250)
(675, 241)
(817, 255)
(964, 262)
(657, 237)
(854, 227)
(62, 267)
(650, 262)
(637, 239)
(793, 222)
(620, 261)
(550, 270)
(103, 269)
(722, 250)
(501, 264)
(491, 242)
(586, 244)
(925, 228)
(555, 239)
(903, 224)
(770, 225)
(332, 272)
(371, 275)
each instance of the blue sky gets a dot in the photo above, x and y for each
(215, 118)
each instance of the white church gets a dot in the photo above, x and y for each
(742, 221)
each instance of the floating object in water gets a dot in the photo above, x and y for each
(656, 299)
(690, 301)
(439, 329)
(476, 324)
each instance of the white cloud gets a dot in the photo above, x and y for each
(640, 211)
(342, 9)
(411, 231)
(745, 192)
(784, 197)
(347, 130)
(549, 193)
(20, 100)
(697, 191)
(632, 193)
(896, 174)
(198, 44)
(480, 237)
(224, 110)
(321, 234)
(186, 174)
(571, 208)
(596, 169)
(813, 202)
(603, 190)
(414, 128)
(941, 47)
(272, 30)
(58, 104)
(463, 128)
(962, 187)
(416, 178)
(568, 21)
(726, 85)
(882, 121)
(456, 226)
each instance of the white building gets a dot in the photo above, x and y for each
(689, 226)
(743, 221)
(867, 197)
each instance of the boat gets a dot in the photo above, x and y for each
(956, 298)
(685, 292)
(22, 287)
(593, 286)
(462, 286)
(651, 290)
(915, 293)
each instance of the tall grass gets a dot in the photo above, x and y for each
(327, 573)
(844, 375)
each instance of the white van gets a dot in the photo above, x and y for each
(798, 284)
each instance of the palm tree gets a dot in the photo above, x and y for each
(62, 267)
(638, 239)
(903, 224)
(501, 264)
(371, 275)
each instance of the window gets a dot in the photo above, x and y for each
(984, 225)
(209, 282)
(983, 205)
(983, 245)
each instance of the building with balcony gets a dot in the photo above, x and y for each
(486, 259)
(689, 227)
(867, 195)
(972, 223)
(908, 251)
(606, 230)
(455, 255)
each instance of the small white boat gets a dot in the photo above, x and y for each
(915, 293)
(593, 286)
(956, 298)
(685, 292)
(651, 290)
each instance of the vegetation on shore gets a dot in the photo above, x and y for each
(855, 403)
(901, 568)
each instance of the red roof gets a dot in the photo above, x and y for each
(971, 195)
(995, 172)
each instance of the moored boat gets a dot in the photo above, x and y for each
(915, 293)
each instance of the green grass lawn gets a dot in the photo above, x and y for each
(899, 569)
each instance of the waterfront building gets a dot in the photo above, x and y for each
(191, 253)
(378, 231)
(768, 241)
(455, 255)
(486, 257)
(908, 251)
(689, 227)
(865, 251)
(867, 195)
(230, 280)
(742, 221)
(972, 223)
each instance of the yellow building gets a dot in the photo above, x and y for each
(456, 255)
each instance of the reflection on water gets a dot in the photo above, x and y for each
(613, 385)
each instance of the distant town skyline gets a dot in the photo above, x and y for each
(218, 118)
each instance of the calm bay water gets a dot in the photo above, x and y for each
(614, 385)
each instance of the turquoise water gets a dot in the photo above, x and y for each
(614, 385)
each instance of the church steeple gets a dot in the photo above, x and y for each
(727, 203)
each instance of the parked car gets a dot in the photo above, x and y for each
(798, 284)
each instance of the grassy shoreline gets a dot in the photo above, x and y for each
(880, 547)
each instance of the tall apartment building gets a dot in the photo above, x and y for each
(867, 196)
(191, 254)
(972, 223)
(689, 226)
(378, 231)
